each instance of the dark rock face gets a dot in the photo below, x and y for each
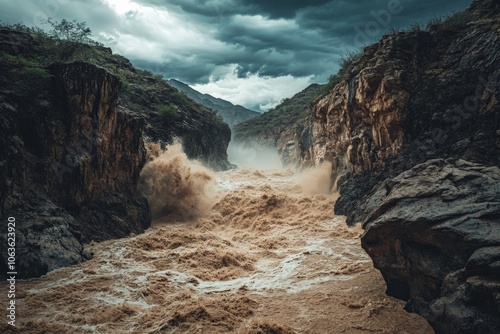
(203, 137)
(411, 97)
(105, 151)
(70, 162)
(45, 240)
(414, 96)
(434, 233)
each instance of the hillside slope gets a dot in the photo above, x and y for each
(281, 125)
(232, 114)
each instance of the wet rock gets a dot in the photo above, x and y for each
(434, 233)
(44, 239)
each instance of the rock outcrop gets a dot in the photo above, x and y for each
(99, 161)
(434, 233)
(171, 115)
(411, 97)
(70, 161)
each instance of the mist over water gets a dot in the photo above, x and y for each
(315, 180)
(253, 155)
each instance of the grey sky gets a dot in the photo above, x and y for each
(253, 53)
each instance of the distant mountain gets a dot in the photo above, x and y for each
(232, 114)
(282, 121)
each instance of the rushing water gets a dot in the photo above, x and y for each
(263, 253)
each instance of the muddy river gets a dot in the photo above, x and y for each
(241, 251)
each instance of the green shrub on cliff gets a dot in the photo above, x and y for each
(168, 111)
(70, 36)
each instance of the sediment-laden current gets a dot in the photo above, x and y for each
(262, 253)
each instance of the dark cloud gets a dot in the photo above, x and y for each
(223, 8)
(282, 8)
(323, 30)
(211, 9)
(270, 39)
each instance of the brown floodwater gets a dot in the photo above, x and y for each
(241, 251)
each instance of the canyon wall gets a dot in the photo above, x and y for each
(71, 161)
(413, 134)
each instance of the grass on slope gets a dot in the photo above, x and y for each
(289, 113)
(26, 72)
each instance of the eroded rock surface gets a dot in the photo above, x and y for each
(70, 163)
(434, 233)
(413, 96)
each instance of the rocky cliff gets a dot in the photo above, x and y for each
(170, 114)
(70, 163)
(434, 233)
(431, 229)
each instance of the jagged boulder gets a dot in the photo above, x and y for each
(434, 233)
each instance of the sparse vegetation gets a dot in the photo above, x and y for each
(135, 107)
(289, 113)
(182, 98)
(416, 26)
(168, 111)
(70, 31)
(24, 76)
(446, 22)
(70, 37)
(142, 91)
(345, 62)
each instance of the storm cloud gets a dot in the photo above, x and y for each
(253, 53)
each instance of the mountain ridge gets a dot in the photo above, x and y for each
(231, 113)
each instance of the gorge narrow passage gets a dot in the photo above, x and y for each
(269, 257)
